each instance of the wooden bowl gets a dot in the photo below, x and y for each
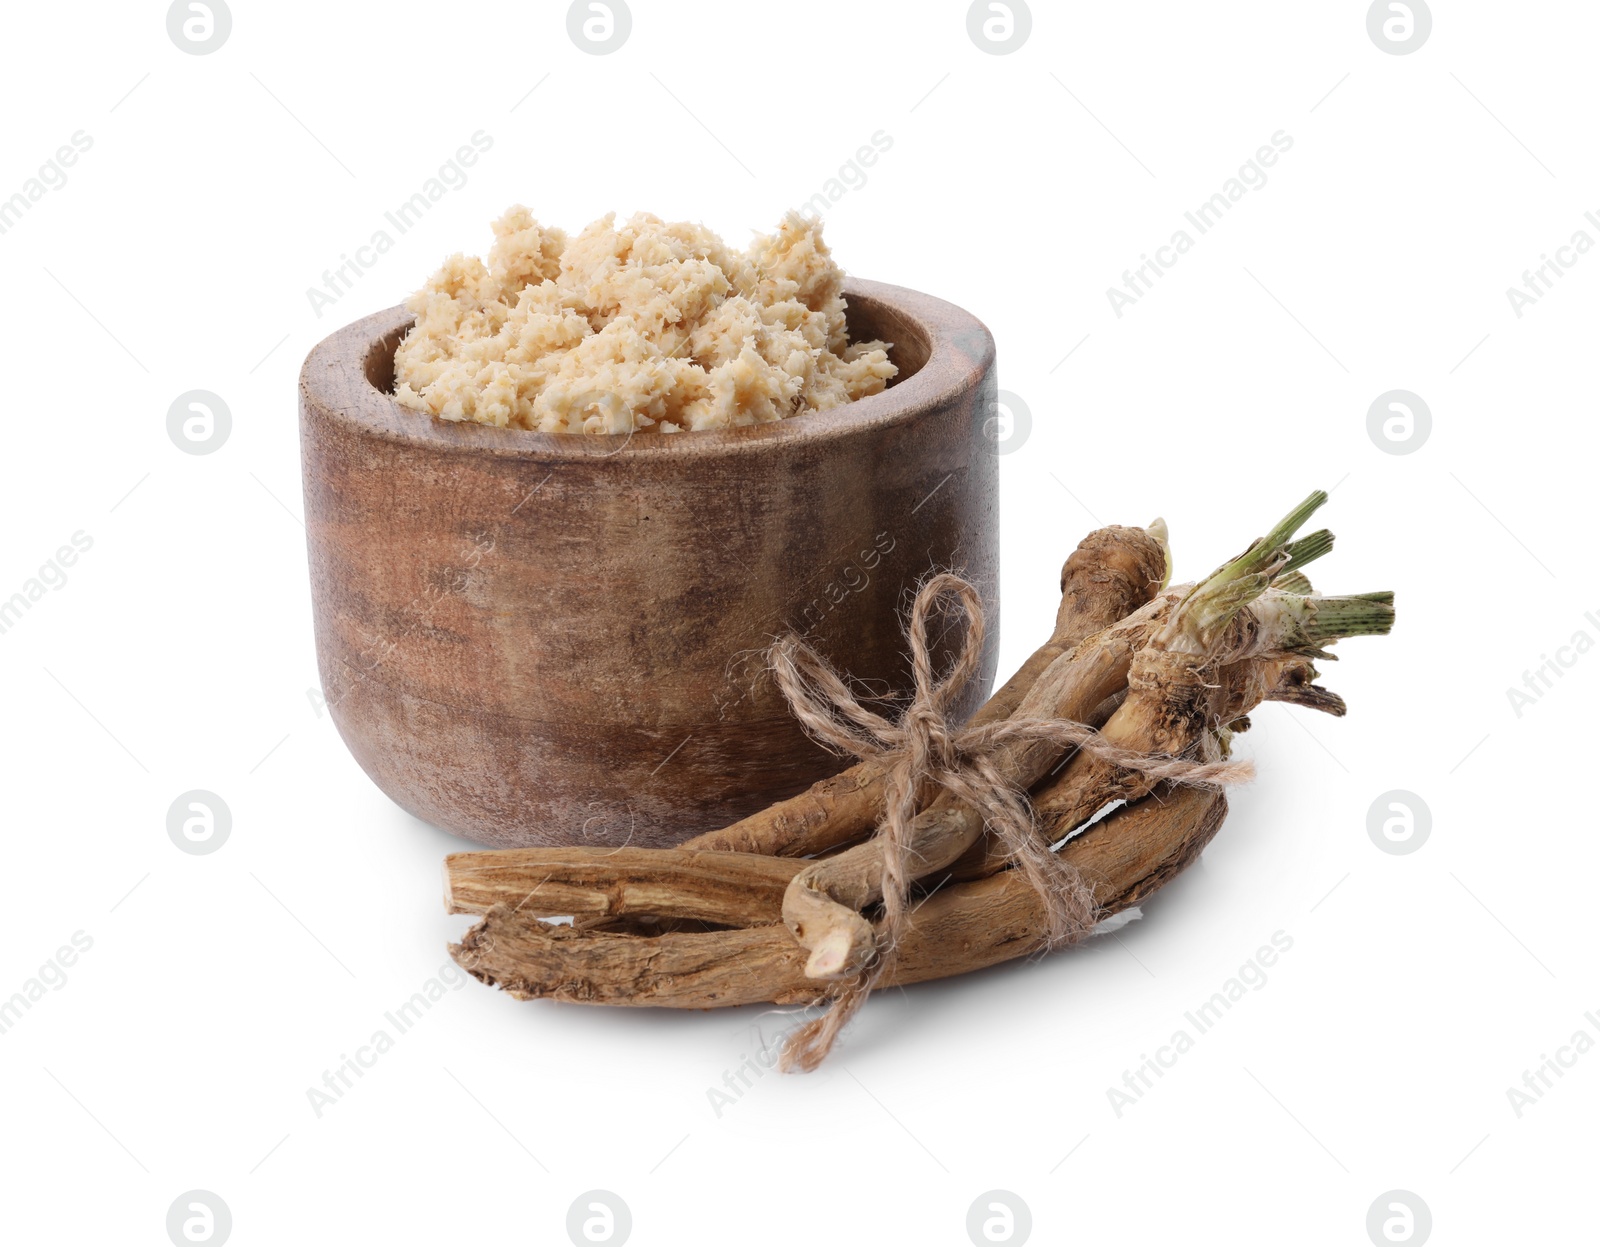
(542, 639)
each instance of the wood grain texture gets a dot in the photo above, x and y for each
(531, 638)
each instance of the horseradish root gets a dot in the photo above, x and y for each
(1210, 663)
(1124, 859)
(822, 902)
(731, 888)
(988, 840)
(1112, 573)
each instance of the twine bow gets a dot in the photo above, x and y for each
(925, 750)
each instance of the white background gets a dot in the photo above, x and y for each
(178, 654)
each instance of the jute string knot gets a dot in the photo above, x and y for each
(924, 751)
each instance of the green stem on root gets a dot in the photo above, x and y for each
(1298, 624)
(1306, 550)
(1210, 606)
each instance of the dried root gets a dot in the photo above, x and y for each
(1112, 573)
(1134, 699)
(1124, 859)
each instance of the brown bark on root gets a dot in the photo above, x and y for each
(1213, 656)
(961, 927)
(823, 902)
(735, 889)
(1114, 571)
(1239, 689)
(1171, 674)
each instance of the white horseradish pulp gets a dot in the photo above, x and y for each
(648, 325)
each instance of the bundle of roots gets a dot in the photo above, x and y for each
(1086, 782)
